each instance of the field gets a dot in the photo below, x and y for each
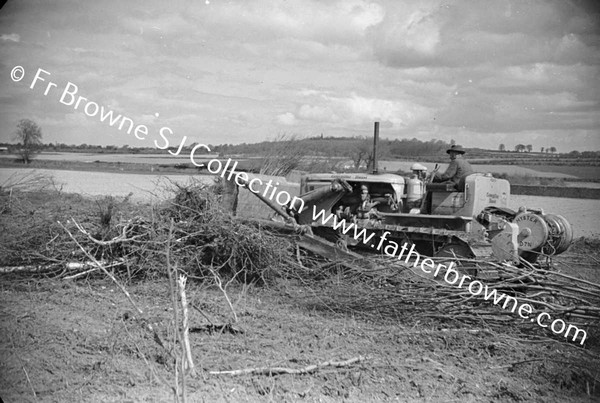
(583, 214)
(547, 171)
(82, 340)
(583, 172)
(77, 341)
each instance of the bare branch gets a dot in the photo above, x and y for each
(272, 371)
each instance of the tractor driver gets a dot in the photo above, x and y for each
(366, 208)
(458, 169)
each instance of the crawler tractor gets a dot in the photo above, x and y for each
(440, 220)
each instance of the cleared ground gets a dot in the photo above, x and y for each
(77, 341)
(81, 340)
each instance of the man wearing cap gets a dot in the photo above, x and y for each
(458, 169)
(420, 171)
(365, 208)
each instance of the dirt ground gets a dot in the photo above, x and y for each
(79, 341)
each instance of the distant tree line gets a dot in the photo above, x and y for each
(357, 149)
(344, 146)
(520, 148)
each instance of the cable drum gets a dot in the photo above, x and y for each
(533, 231)
(560, 236)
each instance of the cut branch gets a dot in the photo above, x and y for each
(272, 371)
(186, 329)
(121, 287)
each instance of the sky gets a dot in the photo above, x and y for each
(480, 72)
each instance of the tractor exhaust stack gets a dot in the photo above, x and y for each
(375, 141)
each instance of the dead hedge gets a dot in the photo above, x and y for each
(131, 238)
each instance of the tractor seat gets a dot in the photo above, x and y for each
(442, 187)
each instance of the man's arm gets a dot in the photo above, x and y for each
(450, 172)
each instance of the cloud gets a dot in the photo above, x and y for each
(358, 110)
(164, 26)
(439, 33)
(10, 38)
(343, 21)
(287, 119)
(416, 33)
(317, 113)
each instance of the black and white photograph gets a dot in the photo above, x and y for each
(300, 201)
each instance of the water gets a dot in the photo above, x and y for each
(146, 188)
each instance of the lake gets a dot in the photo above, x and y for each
(146, 188)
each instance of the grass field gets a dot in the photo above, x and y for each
(584, 172)
(521, 170)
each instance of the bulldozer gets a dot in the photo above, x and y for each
(440, 220)
(436, 219)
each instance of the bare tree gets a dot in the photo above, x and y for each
(362, 153)
(359, 151)
(284, 155)
(29, 135)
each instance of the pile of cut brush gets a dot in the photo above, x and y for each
(384, 288)
(131, 239)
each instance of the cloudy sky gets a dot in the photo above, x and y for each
(480, 72)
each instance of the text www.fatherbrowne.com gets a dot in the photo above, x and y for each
(451, 276)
